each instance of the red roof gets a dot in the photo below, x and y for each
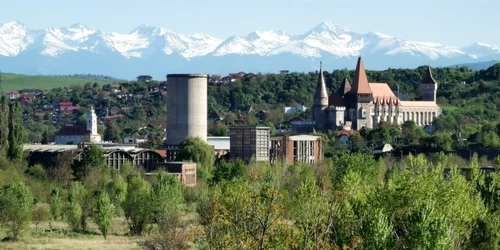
(65, 103)
(347, 132)
(69, 108)
(73, 130)
(360, 83)
(162, 152)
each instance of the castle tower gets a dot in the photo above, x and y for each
(429, 86)
(320, 102)
(360, 97)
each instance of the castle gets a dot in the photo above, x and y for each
(364, 104)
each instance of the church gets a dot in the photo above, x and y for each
(77, 134)
(364, 104)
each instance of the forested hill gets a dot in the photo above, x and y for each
(267, 90)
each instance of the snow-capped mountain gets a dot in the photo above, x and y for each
(157, 51)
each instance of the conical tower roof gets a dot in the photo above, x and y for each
(320, 86)
(360, 83)
(428, 76)
(345, 86)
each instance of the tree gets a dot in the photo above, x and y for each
(16, 132)
(55, 204)
(41, 213)
(73, 215)
(196, 150)
(4, 124)
(104, 213)
(92, 157)
(166, 197)
(111, 132)
(16, 202)
(45, 137)
(229, 170)
(137, 204)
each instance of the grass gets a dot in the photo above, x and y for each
(57, 235)
(18, 81)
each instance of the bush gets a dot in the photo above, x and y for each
(37, 172)
(41, 213)
(16, 202)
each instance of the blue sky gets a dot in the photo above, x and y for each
(456, 23)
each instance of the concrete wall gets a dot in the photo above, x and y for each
(186, 107)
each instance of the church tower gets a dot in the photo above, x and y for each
(360, 97)
(320, 102)
(429, 86)
(92, 121)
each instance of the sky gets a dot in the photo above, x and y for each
(450, 22)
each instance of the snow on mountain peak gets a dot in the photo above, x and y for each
(145, 41)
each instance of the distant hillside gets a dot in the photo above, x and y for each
(478, 65)
(18, 81)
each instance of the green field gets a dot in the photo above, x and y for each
(18, 81)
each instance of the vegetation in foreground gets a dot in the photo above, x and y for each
(350, 202)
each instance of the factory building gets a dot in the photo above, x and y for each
(186, 109)
(249, 143)
(291, 149)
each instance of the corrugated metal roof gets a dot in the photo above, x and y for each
(219, 142)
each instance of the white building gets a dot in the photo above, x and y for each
(291, 110)
(78, 134)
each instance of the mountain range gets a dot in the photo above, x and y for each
(148, 50)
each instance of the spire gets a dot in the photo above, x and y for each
(345, 87)
(360, 83)
(321, 86)
(428, 76)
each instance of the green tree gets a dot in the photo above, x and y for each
(166, 197)
(16, 132)
(111, 132)
(196, 150)
(55, 204)
(104, 213)
(229, 170)
(73, 215)
(137, 204)
(16, 202)
(4, 124)
(92, 157)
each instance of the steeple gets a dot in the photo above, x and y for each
(345, 87)
(321, 96)
(428, 77)
(360, 83)
(429, 86)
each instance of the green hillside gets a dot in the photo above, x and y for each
(18, 81)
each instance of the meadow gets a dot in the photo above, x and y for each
(19, 81)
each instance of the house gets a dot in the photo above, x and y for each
(221, 144)
(284, 72)
(261, 115)
(291, 110)
(216, 116)
(135, 139)
(344, 135)
(12, 95)
(144, 78)
(65, 107)
(383, 149)
(25, 99)
(300, 125)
